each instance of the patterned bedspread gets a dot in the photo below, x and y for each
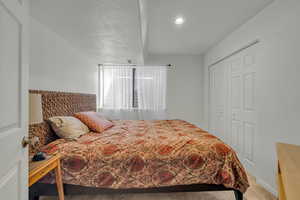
(145, 154)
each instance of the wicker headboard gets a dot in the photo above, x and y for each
(58, 104)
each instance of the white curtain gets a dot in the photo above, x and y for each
(151, 92)
(116, 87)
(116, 92)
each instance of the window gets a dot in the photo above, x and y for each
(132, 87)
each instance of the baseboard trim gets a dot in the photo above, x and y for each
(267, 186)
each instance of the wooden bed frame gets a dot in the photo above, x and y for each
(66, 104)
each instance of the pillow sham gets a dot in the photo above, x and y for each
(94, 121)
(68, 127)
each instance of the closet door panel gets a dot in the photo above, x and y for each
(249, 90)
(249, 107)
(249, 130)
(218, 92)
(242, 104)
(212, 103)
(235, 106)
(236, 92)
(232, 103)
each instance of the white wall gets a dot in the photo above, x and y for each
(143, 8)
(278, 94)
(185, 86)
(56, 65)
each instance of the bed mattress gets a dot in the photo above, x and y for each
(148, 154)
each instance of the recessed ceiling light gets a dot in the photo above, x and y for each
(179, 20)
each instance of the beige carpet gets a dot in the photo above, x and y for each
(255, 192)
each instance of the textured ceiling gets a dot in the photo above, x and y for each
(118, 30)
(107, 30)
(207, 22)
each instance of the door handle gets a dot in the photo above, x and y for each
(25, 142)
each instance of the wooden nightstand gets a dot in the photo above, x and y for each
(288, 176)
(39, 169)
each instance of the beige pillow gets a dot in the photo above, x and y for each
(68, 127)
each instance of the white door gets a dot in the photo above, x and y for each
(13, 99)
(242, 104)
(232, 103)
(218, 94)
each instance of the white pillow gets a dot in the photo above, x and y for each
(68, 127)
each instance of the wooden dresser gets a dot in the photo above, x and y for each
(288, 176)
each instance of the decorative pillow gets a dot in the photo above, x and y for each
(68, 127)
(94, 121)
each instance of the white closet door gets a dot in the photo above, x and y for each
(242, 104)
(232, 103)
(218, 97)
(212, 104)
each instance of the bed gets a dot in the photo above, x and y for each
(135, 155)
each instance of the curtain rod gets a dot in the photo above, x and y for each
(111, 64)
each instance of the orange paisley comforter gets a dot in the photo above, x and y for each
(145, 154)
